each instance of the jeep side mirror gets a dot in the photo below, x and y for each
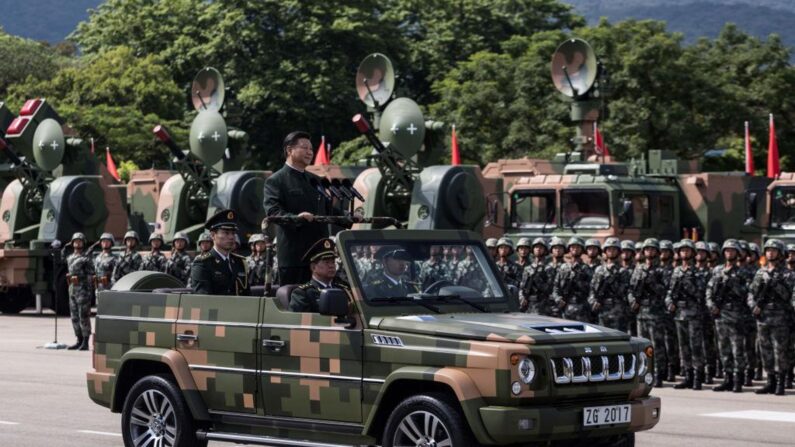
(627, 215)
(333, 302)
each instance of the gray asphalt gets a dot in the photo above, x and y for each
(43, 401)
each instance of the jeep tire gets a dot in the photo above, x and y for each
(154, 410)
(431, 419)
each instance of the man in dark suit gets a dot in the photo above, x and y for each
(219, 271)
(322, 264)
(292, 191)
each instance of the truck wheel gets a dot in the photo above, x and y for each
(427, 420)
(155, 413)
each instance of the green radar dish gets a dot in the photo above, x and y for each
(207, 90)
(403, 127)
(574, 68)
(48, 144)
(375, 80)
(208, 136)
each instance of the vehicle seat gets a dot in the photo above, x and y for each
(283, 294)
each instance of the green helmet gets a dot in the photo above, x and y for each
(79, 235)
(790, 247)
(256, 237)
(155, 236)
(593, 243)
(743, 245)
(504, 241)
(754, 248)
(652, 243)
(731, 243)
(132, 235)
(491, 242)
(714, 247)
(541, 241)
(612, 242)
(574, 240)
(676, 246)
(556, 241)
(776, 244)
(181, 235)
(523, 242)
(205, 237)
(687, 243)
(665, 244)
(702, 246)
(107, 236)
(628, 245)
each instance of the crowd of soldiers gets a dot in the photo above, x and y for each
(710, 311)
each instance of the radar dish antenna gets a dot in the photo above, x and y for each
(207, 90)
(375, 80)
(574, 68)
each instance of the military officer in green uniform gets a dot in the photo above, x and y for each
(322, 263)
(392, 283)
(219, 271)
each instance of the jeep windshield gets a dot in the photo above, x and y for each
(782, 208)
(401, 272)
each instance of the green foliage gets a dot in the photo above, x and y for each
(125, 169)
(23, 58)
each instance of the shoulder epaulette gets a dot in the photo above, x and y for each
(202, 256)
(304, 286)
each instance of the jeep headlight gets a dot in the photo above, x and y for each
(527, 370)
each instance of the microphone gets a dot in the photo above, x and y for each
(315, 184)
(337, 184)
(349, 186)
(334, 191)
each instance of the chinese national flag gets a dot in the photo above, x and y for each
(321, 158)
(456, 156)
(599, 142)
(111, 165)
(773, 168)
(749, 156)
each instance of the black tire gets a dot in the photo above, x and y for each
(141, 417)
(430, 416)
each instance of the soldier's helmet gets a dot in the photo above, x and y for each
(775, 244)
(155, 236)
(612, 242)
(676, 246)
(702, 246)
(205, 237)
(653, 243)
(79, 235)
(754, 247)
(628, 245)
(132, 234)
(743, 245)
(491, 242)
(555, 241)
(541, 241)
(574, 240)
(107, 236)
(731, 243)
(181, 235)
(593, 243)
(714, 247)
(523, 242)
(665, 244)
(791, 247)
(256, 237)
(686, 243)
(504, 241)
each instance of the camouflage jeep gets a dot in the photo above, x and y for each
(453, 364)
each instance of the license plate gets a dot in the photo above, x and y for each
(607, 415)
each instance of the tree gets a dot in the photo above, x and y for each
(23, 58)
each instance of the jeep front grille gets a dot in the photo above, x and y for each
(596, 368)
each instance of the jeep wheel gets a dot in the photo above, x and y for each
(155, 414)
(427, 421)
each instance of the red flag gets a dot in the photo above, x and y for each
(773, 168)
(599, 143)
(111, 165)
(321, 158)
(456, 156)
(749, 157)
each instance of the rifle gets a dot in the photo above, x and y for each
(345, 221)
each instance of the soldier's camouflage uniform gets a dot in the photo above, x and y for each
(572, 285)
(510, 271)
(552, 269)
(179, 265)
(669, 326)
(609, 291)
(128, 262)
(154, 261)
(625, 276)
(534, 288)
(469, 274)
(727, 293)
(256, 269)
(104, 263)
(686, 293)
(710, 342)
(647, 288)
(80, 275)
(433, 270)
(750, 329)
(771, 291)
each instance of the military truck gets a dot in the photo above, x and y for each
(452, 365)
(778, 219)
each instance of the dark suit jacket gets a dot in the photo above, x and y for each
(211, 275)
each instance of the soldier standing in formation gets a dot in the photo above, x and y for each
(491, 247)
(154, 261)
(131, 260)
(751, 340)
(79, 275)
(256, 260)
(557, 251)
(571, 285)
(523, 250)
(469, 273)
(510, 271)
(534, 286)
(179, 264)
(205, 243)
(646, 297)
(685, 301)
(725, 296)
(219, 271)
(790, 374)
(434, 269)
(704, 271)
(593, 253)
(322, 262)
(770, 298)
(104, 263)
(608, 293)
(671, 343)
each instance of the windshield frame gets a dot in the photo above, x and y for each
(776, 206)
(527, 193)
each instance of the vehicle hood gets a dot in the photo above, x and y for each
(505, 327)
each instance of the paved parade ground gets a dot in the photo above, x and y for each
(44, 401)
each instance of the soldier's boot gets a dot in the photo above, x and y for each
(710, 375)
(728, 383)
(687, 383)
(738, 382)
(658, 381)
(788, 378)
(84, 344)
(671, 375)
(719, 373)
(780, 385)
(77, 344)
(749, 377)
(758, 373)
(698, 378)
(770, 387)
